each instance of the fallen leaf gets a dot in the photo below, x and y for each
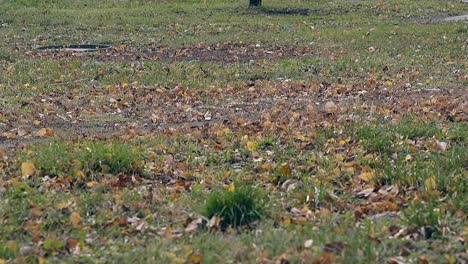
(9, 135)
(251, 145)
(331, 108)
(122, 221)
(62, 205)
(308, 243)
(430, 183)
(365, 193)
(367, 176)
(27, 169)
(45, 132)
(91, 184)
(285, 169)
(408, 158)
(72, 243)
(196, 259)
(441, 145)
(75, 219)
(214, 223)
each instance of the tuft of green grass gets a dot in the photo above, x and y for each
(412, 128)
(236, 208)
(53, 159)
(425, 215)
(59, 159)
(375, 138)
(114, 158)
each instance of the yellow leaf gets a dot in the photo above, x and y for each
(91, 184)
(231, 187)
(41, 260)
(75, 219)
(79, 174)
(367, 176)
(285, 169)
(2, 261)
(125, 85)
(251, 145)
(62, 205)
(388, 83)
(301, 138)
(28, 169)
(196, 259)
(36, 122)
(430, 183)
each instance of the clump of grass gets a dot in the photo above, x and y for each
(60, 159)
(114, 158)
(458, 133)
(412, 128)
(236, 208)
(375, 138)
(53, 159)
(424, 215)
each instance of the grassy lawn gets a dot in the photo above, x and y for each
(300, 132)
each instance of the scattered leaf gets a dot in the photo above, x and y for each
(367, 176)
(285, 169)
(196, 259)
(45, 132)
(75, 219)
(27, 169)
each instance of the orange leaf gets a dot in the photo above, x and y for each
(45, 132)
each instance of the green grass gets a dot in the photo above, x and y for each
(239, 207)
(89, 158)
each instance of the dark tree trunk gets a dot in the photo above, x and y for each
(255, 2)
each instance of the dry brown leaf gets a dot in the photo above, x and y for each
(331, 108)
(285, 169)
(75, 219)
(45, 132)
